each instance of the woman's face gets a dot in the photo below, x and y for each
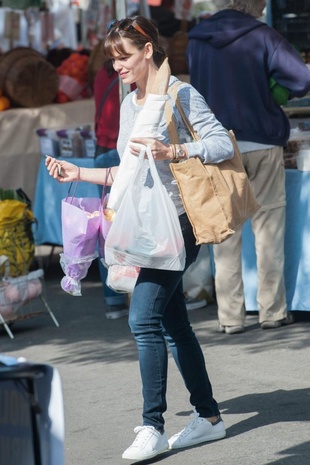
(132, 66)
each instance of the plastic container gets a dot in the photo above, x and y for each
(88, 143)
(49, 142)
(70, 143)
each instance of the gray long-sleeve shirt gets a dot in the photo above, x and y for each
(214, 145)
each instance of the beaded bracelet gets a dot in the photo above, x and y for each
(173, 151)
(177, 152)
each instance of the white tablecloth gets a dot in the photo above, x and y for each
(19, 144)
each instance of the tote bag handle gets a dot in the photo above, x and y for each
(173, 135)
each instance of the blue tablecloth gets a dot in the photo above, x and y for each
(47, 209)
(297, 246)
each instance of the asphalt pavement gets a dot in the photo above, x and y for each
(260, 379)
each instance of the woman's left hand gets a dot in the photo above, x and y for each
(160, 151)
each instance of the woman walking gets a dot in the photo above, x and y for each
(158, 313)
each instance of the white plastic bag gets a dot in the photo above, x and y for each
(146, 125)
(146, 231)
(122, 278)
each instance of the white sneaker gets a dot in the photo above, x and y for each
(197, 431)
(148, 443)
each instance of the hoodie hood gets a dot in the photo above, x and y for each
(224, 27)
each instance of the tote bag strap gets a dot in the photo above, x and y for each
(171, 126)
(173, 135)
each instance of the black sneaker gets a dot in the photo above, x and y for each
(113, 312)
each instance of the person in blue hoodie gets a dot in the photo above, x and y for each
(233, 57)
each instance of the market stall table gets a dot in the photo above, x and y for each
(297, 246)
(47, 209)
(20, 153)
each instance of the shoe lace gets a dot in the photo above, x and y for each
(193, 423)
(143, 434)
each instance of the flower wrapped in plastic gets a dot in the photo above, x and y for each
(80, 229)
(75, 269)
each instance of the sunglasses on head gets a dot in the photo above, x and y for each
(125, 25)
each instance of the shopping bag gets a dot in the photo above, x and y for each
(218, 197)
(80, 219)
(122, 278)
(80, 225)
(146, 230)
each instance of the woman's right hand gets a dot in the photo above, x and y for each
(62, 170)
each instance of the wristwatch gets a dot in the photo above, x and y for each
(180, 152)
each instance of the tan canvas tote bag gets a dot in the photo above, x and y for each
(217, 198)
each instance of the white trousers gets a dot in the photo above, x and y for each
(266, 172)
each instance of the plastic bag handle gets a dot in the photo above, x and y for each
(108, 173)
(146, 150)
(73, 195)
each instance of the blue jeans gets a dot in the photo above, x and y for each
(158, 316)
(106, 159)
